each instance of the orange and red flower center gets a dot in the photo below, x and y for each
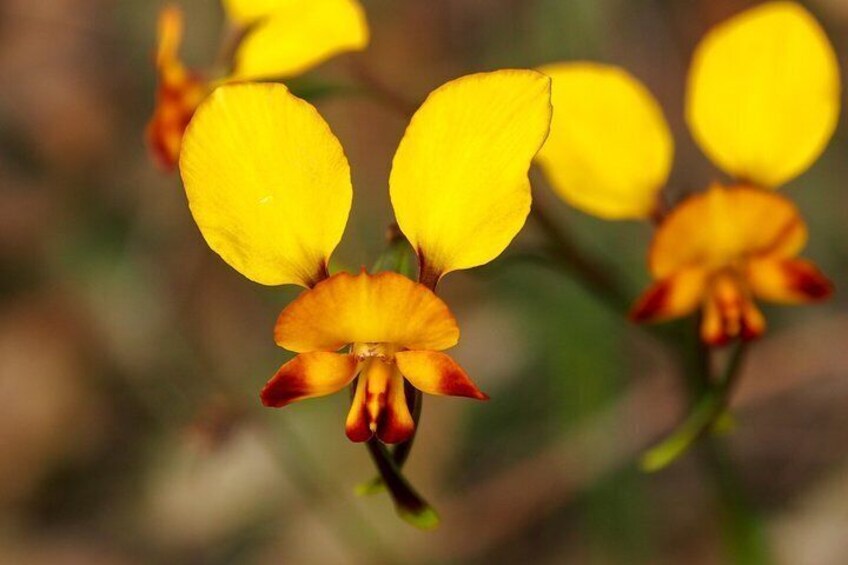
(379, 403)
(729, 308)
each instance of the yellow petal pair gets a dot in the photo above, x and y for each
(282, 38)
(289, 37)
(269, 186)
(396, 329)
(721, 250)
(762, 101)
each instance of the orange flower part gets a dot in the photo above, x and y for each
(396, 330)
(723, 249)
(178, 94)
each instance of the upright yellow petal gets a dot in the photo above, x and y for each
(610, 149)
(246, 12)
(763, 93)
(267, 182)
(459, 182)
(386, 308)
(300, 35)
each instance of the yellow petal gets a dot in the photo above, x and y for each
(459, 182)
(300, 35)
(763, 93)
(790, 281)
(245, 12)
(386, 308)
(436, 373)
(610, 149)
(309, 375)
(723, 226)
(267, 182)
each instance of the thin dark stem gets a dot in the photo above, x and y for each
(408, 503)
(380, 92)
(589, 272)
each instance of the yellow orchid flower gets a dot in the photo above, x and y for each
(721, 250)
(395, 328)
(269, 187)
(762, 102)
(280, 39)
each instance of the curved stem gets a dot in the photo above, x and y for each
(589, 272)
(409, 504)
(380, 92)
(702, 417)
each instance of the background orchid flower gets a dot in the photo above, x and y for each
(269, 187)
(723, 249)
(610, 149)
(279, 39)
(762, 102)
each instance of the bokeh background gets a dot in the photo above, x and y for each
(131, 357)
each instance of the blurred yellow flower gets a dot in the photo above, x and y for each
(281, 39)
(762, 102)
(269, 187)
(721, 250)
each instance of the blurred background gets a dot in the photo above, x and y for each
(131, 357)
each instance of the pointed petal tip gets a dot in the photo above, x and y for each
(437, 373)
(810, 282)
(650, 304)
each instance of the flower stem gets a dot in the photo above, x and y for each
(380, 92)
(703, 416)
(409, 504)
(588, 271)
